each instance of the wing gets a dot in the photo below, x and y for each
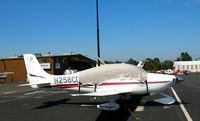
(115, 91)
(102, 93)
(165, 100)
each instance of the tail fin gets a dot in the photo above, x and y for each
(35, 73)
(141, 65)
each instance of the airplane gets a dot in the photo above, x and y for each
(141, 65)
(4, 75)
(109, 81)
(173, 72)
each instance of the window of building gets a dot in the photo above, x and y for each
(195, 66)
(56, 60)
(187, 66)
(183, 67)
(44, 60)
(64, 60)
(191, 66)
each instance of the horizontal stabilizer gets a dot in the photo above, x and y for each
(7, 73)
(167, 100)
(22, 85)
(37, 85)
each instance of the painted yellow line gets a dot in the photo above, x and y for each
(187, 115)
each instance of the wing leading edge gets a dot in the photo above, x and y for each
(102, 93)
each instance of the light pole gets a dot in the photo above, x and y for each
(98, 48)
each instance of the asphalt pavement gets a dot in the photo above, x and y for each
(27, 104)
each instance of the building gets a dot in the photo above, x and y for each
(51, 64)
(193, 66)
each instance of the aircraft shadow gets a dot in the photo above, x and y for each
(127, 108)
(153, 104)
(65, 101)
(52, 103)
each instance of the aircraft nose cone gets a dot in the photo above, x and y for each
(179, 79)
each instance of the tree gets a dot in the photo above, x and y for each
(108, 62)
(19, 56)
(38, 54)
(149, 66)
(178, 59)
(118, 61)
(131, 61)
(156, 61)
(184, 57)
(167, 65)
(152, 64)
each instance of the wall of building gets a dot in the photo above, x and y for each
(193, 66)
(11, 65)
(58, 64)
(17, 66)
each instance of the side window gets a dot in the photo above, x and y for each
(56, 60)
(44, 60)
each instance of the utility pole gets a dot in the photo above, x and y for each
(98, 48)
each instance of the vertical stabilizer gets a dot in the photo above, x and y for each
(35, 73)
(141, 65)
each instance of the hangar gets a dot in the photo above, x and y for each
(193, 66)
(51, 64)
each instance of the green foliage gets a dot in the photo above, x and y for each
(38, 54)
(118, 61)
(178, 59)
(109, 62)
(19, 56)
(167, 65)
(184, 57)
(152, 64)
(131, 61)
(112, 62)
(155, 64)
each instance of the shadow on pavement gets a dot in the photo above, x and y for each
(52, 103)
(153, 104)
(127, 108)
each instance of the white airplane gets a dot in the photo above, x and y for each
(141, 65)
(110, 81)
(4, 75)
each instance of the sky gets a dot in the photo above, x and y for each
(136, 29)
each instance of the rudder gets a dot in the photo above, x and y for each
(35, 73)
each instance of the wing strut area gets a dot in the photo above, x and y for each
(79, 87)
(147, 88)
(95, 87)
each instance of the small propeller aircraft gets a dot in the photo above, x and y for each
(141, 65)
(4, 75)
(110, 81)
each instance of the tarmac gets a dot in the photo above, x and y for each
(27, 104)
